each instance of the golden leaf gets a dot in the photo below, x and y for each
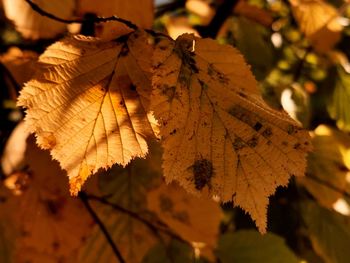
(88, 103)
(33, 25)
(217, 133)
(318, 21)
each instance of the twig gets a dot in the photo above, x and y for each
(136, 216)
(222, 13)
(84, 198)
(42, 12)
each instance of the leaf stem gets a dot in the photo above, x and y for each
(84, 198)
(42, 12)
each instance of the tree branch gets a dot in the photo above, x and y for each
(42, 12)
(84, 198)
(222, 13)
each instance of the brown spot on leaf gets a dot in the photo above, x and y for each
(253, 142)
(297, 146)
(203, 172)
(238, 144)
(257, 126)
(267, 133)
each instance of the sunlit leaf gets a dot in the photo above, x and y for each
(88, 103)
(217, 133)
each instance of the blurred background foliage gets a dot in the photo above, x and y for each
(299, 52)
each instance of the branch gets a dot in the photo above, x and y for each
(42, 12)
(222, 13)
(84, 198)
(136, 216)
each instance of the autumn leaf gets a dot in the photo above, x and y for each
(49, 225)
(217, 133)
(318, 21)
(88, 103)
(33, 25)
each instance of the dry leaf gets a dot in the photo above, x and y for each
(139, 12)
(194, 219)
(318, 21)
(217, 133)
(33, 25)
(50, 224)
(88, 103)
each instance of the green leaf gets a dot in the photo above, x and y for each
(329, 232)
(339, 104)
(248, 246)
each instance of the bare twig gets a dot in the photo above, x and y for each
(97, 19)
(84, 198)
